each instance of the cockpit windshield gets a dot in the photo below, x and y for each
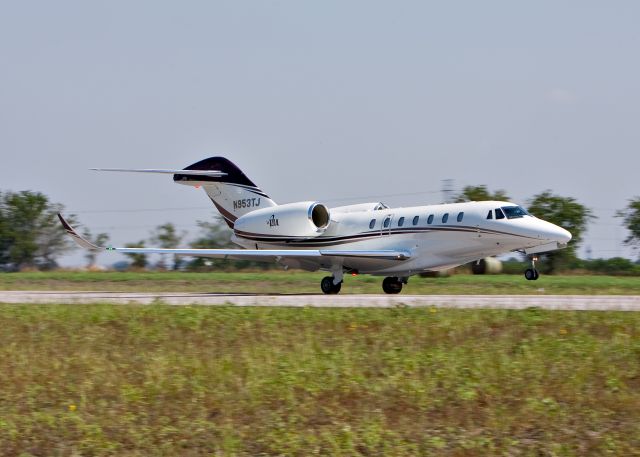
(514, 212)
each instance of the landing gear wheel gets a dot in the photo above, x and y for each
(328, 287)
(391, 285)
(531, 273)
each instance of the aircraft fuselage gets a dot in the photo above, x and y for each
(437, 236)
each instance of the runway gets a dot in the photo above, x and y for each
(557, 302)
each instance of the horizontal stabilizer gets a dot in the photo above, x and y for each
(224, 183)
(210, 173)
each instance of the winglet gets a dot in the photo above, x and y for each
(77, 238)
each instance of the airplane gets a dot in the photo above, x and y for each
(365, 238)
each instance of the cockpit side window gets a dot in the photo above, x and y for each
(490, 215)
(499, 214)
(514, 212)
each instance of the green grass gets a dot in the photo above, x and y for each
(190, 381)
(302, 282)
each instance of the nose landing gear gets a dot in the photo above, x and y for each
(531, 274)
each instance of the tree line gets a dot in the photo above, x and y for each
(212, 235)
(32, 237)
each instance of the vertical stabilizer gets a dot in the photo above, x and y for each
(232, 193)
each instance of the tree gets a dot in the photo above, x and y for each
(213, 235)
(567, 213)
(101, 239)
(631, 220)
(167, 237)
(479, 194)
(216, 235)
(5, 238)
(30, 232)
(137, 260)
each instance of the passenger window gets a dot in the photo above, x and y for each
(430, 219)
(372, 223)
(401, 222)
(445, 218)
(460, 216)
(386, 222)
(415, 220)
(490, 215)
(499, 214)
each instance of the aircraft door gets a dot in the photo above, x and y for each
(385, 226)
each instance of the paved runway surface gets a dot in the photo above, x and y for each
(566, 302)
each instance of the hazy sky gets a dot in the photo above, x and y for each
(320, 100)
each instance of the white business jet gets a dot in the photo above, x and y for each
(367, 238)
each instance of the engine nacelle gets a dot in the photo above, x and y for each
(302, 219)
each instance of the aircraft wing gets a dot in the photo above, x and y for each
(243, 254)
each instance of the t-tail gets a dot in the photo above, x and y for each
(232, 193)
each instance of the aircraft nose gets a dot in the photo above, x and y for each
(560, 235)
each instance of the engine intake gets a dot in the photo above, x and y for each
(319, 215)
(293, 220)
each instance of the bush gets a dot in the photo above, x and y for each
(614, 266)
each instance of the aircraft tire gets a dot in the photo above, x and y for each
(328, 287)
(391, 285)
(531, 275)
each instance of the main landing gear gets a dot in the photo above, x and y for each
(393, 285)
(390, 285)
(531, 274)
(328, 287)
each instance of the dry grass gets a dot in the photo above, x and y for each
(302, 282)
(157, 380)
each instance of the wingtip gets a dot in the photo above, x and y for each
(64, 223)
(76, 237)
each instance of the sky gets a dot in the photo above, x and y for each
(335, 101)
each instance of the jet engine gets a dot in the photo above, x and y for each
(299, 220)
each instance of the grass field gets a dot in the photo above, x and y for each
(302, 282)
(191, 381)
